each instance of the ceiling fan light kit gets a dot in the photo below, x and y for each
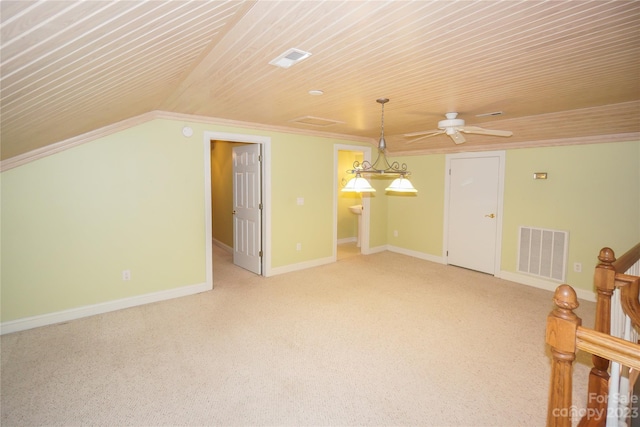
(451, 122)
(452, 127)
(380, 167)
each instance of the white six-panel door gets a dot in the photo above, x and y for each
(247, 207)
(474, 212)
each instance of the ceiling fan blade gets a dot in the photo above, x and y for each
(457, 137)
(422, 135)
(423, 132)
(482, 131)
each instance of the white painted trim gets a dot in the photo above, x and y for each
(54, 148)
(75, 141)
(447, 183)
(302, 265)
(208, 215)
(365, 217)
(66, 144)
(505, 275)
(347, 240)
(416, 254)
(582, 140)
(543, 284)
(221, 245)
(377, 249)
(265, 142)
(100, 308)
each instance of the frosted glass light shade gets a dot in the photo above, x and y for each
(358, 184)
(401, 185)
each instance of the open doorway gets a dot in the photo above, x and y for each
(351, 209)
(229, 215)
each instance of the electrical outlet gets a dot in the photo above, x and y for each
(577, 267)
(395, 233)
(298, 246)
(126, 275)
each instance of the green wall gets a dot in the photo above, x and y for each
(592, 191)
(71, 222)
(419, 218)
(302, 167)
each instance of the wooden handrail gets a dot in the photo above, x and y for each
(625, 262)
(565, 336)
(609, 347)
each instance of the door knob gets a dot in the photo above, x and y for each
(491, 216)
(234, 212)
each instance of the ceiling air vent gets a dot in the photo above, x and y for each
(290, 57)
(315, 121)
(492, 114)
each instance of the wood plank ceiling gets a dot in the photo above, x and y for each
(560, 71)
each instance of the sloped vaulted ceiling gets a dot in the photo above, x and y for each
(560, 70)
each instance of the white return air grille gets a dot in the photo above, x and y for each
(543, 252)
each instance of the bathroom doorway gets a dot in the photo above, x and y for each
(351, 219)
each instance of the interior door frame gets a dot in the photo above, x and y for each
(447, 188)
(365, 218)
(265, 150)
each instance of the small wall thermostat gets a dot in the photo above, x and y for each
(187, 131)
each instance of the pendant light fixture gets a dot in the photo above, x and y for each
(381, 166)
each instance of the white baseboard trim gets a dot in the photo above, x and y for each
(375, 250)
(347, 240)
(104, 307)
(221, 245)
(302, 265)
(416, 254)
(543, 284)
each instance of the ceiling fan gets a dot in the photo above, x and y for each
(453, 127)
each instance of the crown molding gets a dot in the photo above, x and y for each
(75, 141)
(258, 126)
(593, 139)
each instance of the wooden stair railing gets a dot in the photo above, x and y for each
(609, 275)
(565, 336)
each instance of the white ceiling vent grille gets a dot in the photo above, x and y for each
(315, 121)
(290, 57)
(543, 252)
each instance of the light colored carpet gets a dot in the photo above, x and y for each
(376, 340)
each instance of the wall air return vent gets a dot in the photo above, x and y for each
(543, 252)
(290, 57)
(315, 121)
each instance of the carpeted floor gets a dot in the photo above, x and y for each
(376, 340)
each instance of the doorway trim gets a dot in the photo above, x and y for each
(265, 142)
(447, 188)
(366, 219)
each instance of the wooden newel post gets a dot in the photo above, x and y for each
(604, 282)
(562, 324)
